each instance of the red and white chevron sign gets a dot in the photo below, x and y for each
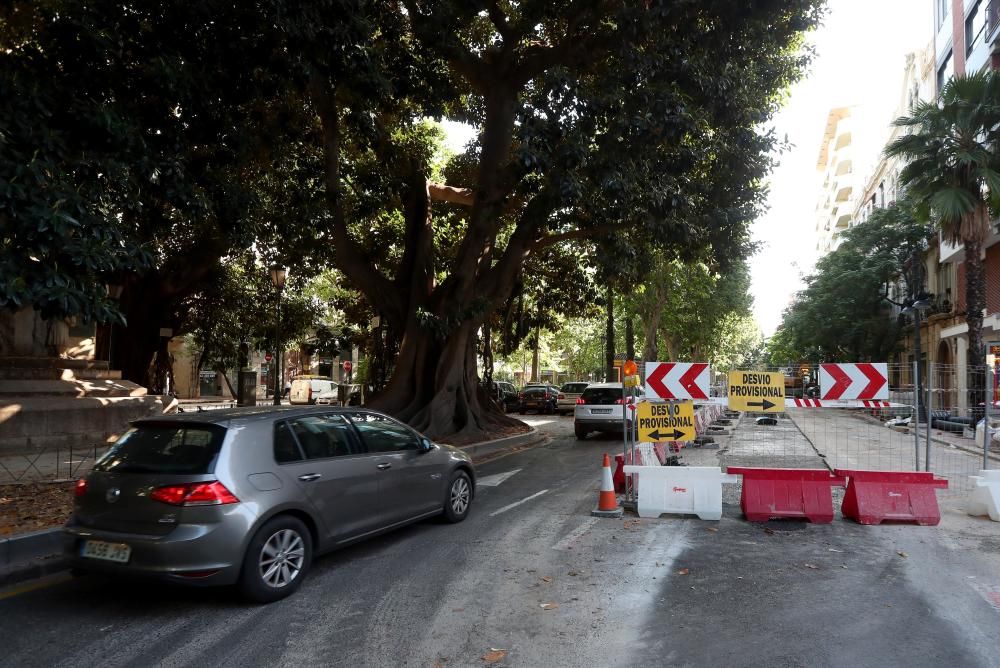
(677, 380)
(854, 381)
(816, 403)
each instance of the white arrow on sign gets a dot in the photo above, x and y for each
(677, 380)
(854, 381)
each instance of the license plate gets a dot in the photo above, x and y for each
(600, 411)
(99, 549)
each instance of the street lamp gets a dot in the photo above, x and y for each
(277, 273)
(917, 307)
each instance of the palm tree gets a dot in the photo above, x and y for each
(953, 174)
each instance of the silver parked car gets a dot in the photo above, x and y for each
(568, 395)
(600, 409)
(249, 496)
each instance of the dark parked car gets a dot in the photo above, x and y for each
(249, 496)
(541, 398)
(504, 394)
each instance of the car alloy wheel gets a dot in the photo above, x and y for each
(458, 500)
(277, 559)
(281, 558)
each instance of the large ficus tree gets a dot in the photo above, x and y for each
(953, 171)
(622, 124)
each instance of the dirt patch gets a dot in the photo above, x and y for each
(492, 435)
(33, 506)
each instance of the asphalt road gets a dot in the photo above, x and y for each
(532, 575)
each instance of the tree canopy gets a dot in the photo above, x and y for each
(843, 314)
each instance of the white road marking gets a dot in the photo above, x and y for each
(496, 479)
(576, 533)
(517, 503)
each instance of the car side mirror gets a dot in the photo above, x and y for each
(426, 445)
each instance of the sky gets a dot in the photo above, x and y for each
(861, 49)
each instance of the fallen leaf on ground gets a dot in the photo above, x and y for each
(458, 609)
(573, 573)
(712, 529)
(437, 664)
(903, 554)
(683, 571)
(548, 606)
(812, 566)
(769, 531)
(546, 578)
(494, 655)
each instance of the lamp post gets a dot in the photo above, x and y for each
(277, 273)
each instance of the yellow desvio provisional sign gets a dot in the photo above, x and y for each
(673, 421)
(757, 391)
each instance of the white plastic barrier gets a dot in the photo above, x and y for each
(685, 490)
(985, 499)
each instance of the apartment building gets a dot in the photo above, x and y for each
(838, 190)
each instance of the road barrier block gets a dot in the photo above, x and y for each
(985, 499)
(897, 496)
(619, 476)
(684, 490)
(787, 493)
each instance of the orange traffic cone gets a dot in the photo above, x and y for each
(607, 502)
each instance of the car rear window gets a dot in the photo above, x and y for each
(534, 391)
(165, 448)
(601, 395)
(574, 387)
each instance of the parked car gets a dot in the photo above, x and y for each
(504, 394)
(568, 394)
(599, 408)
(250, 496)
(305, 390)
(541, 398)
(340, 395)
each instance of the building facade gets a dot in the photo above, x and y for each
(836, 165)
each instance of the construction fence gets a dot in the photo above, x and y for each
(946, 428)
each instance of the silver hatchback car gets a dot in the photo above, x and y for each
(249, 496)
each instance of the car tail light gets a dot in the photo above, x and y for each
(562, 396)
(619, 402)
(579, 401)
(194, 494)
(521, 395)
(81, 488)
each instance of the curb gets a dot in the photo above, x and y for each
(486, 448)
(31, 555)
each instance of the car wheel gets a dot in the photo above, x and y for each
(277, 560)
(459, 497)
(580, 432)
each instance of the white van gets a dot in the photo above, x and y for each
(305, 390)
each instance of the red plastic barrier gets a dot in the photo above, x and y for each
(782, 493)
(619, 477)
(898, 496)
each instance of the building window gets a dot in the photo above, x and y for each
(975, 27)
(941, 11)
(945, 72)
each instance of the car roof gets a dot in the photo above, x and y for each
(248, 414)
(600, 386)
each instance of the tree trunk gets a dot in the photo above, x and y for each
(435, 385)
(609, 339)
(650, 326)
(534, 357)
(975, 303)
(629, 338)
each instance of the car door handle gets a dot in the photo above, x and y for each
(383, 466)
(309, 477)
